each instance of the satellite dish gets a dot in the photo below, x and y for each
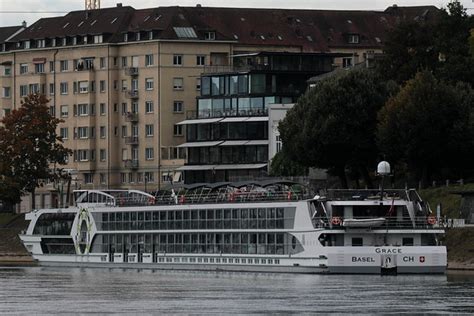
(383, 168)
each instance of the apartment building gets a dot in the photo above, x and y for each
(122, 79)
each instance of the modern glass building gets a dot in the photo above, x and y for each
(227, 134)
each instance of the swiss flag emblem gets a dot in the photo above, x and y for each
(422, 259)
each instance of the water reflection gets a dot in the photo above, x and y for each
(48, 290)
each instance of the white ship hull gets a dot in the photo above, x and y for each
(282, 236)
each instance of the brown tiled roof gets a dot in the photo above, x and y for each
(310, 30)
(6, 32)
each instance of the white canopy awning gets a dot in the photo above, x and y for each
(233, 143)
(201, 144)
(235, 119)
(258, 119)
(196, 167)
(240, 166)
(257, 142)
(200, 121)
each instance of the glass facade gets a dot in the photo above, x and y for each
(227, 131)
(227, 155)
(229, 219)
(205, 243)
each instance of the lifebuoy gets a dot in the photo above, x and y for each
(289, 195)
(336, 221)
(431, 220)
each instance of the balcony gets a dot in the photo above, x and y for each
(131, 71)
(131, 117)
(192, 115)
(131, 140)
(132, 94)
(131, 164)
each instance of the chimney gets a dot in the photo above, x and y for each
(23, 24)
(119, 5)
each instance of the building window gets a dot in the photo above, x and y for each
(23, 69)
(63, 88)
(124, 85)
(177, 106)
(148, 106)
(124, 108)
(103, 178)
(23, 90)
(83, 86)
(346, 62)
(102, 131)
(102, 155)
(51, 89)
(64, 65)
(200, 60)
(6, 92)
(98, 39)
(124, 61)
(88, 178)
(83, 109)
(178, 130)
(39, 68)
(149, 177)
(7, 71)
(102, 109)
(198, 84)
(51, 66)
(103, 62)
(83, 132)
(353, 39)
(64, 132)
(123, 177)
(278, 143)
(178, 83)
(149, 60)
(149, 83)
(149, 154)
(149, 130)
(124, 131)
(102, 85)
(27, 44)
(177, 60)
(210, 36)
(64, 110)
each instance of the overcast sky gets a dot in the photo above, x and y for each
(13, 12)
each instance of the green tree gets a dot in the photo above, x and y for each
(282, 166)
(333, 125)
(29, 146)
(439, 44)
(428, 126)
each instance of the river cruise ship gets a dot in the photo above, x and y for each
(269, 226)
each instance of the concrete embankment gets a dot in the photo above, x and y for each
(12, 252)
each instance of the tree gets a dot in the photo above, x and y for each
(281, 166)
(29, 146)
(439, 44)
(333, 125)
(428, 126)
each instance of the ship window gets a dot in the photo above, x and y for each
(407, 241)
(357, 242)
(54, 224)
(57, 246)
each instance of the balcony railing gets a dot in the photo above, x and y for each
(132, 94)
(131, 164)
(131, 140)
(131, 117)
(191, 115)
(131, 71)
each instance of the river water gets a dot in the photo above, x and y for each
(37, 290)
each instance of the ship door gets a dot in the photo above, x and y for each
(141, 245)
(389, 264)
(111, 248)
